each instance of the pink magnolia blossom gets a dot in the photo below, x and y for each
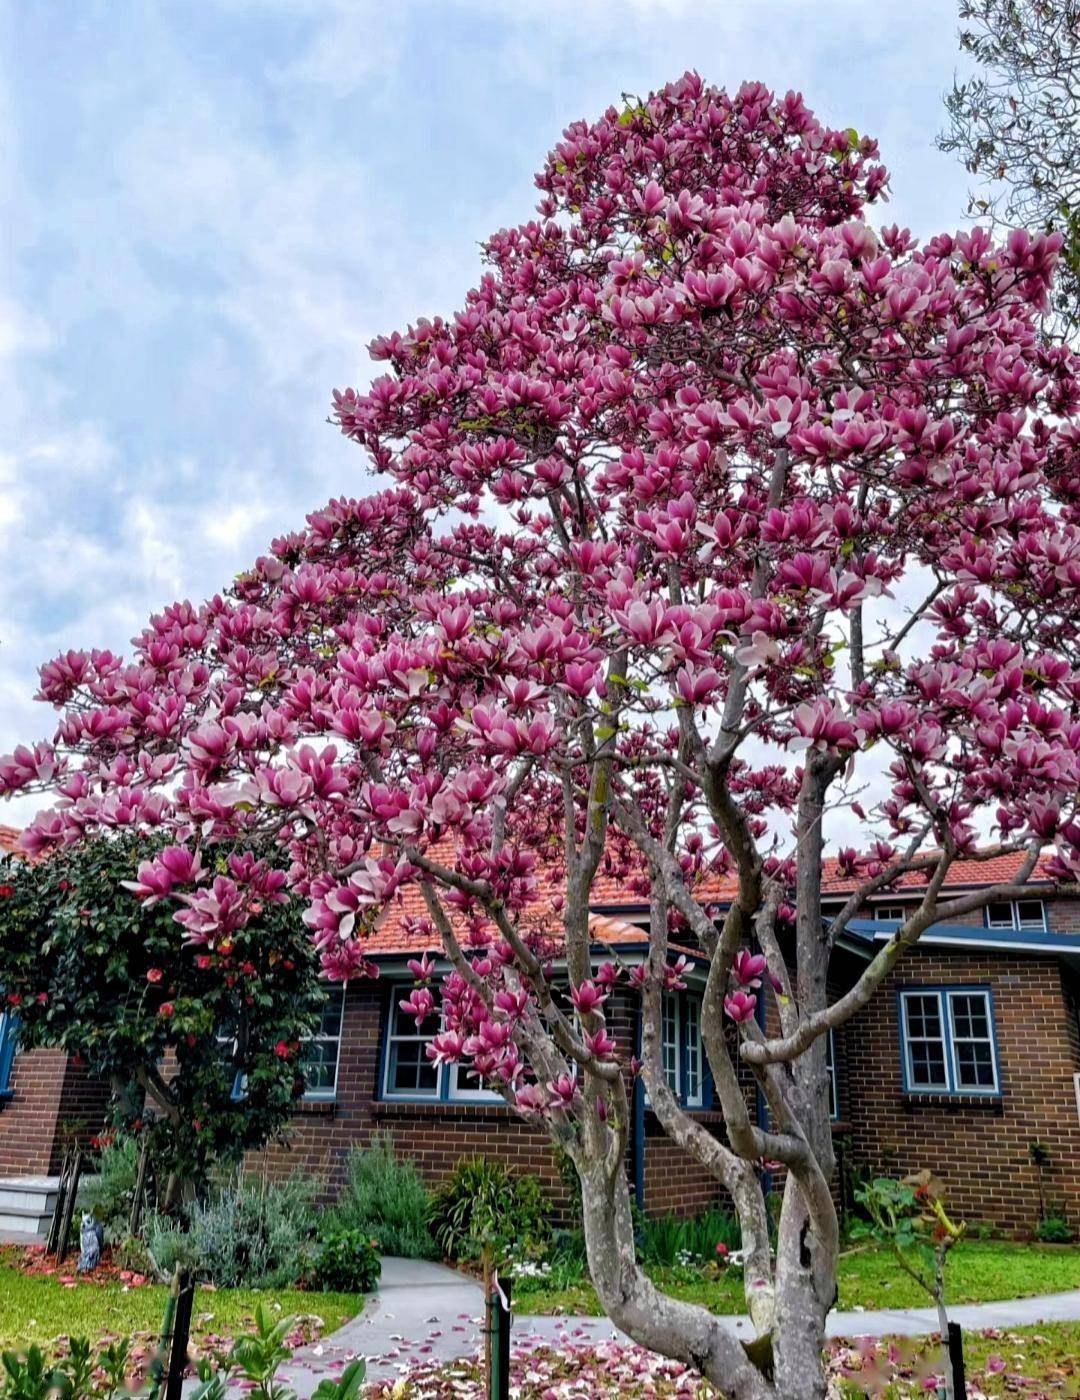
(748, 967)
(616, 623)
(740, 1006)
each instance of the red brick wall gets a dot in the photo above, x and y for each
(437, 1136)
(675, 1183)
(980, 1148)
(434, 1136)
(53, 1101)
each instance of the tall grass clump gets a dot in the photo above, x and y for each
(386, 1199)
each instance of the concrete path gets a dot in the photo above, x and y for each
(426, 1312)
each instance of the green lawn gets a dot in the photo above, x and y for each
(41, 1309)
(978, 1272)
(1034, 1361)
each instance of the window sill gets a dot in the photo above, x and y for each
(955, 1103)
(318, 1108)
(438, 1108)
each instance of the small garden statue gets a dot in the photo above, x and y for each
(91, 1238)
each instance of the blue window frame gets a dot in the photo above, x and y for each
(680, 1044)
(834, 1077)
(948, 1042)
(408, 1073)
(7, 1052)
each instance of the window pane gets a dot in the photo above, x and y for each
(1030, 913)
(970, 1016)
(973, 1047)
(330, 1019)
(928, 1064)
(925, 1040)
(319, 1051)
(319, 1065)
(974, 1065)
(410, 1070)
(670, 1041)
(830, 1069)
(999, 915)
(924, 1016)
(691, 1011)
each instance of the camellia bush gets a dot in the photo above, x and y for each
(714, 512)
(200, 1047)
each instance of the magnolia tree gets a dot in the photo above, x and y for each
(715, 512)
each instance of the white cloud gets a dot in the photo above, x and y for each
(212, 209)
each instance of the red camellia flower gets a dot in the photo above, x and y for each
(166, 1009)
(6, 891)
(282, 1050)
(14, 999)
(154, 974)
(722, 1250)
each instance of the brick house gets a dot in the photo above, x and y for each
(968, 1055)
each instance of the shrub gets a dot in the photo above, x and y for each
(484, 1205)
(704, 1232)
(168, 1244)
(1053, 1229)
(348, 1262)
(386, 1199)
(251, 1235)
(109, 1194)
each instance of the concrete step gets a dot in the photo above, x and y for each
(27, 1204)
(39, 1202)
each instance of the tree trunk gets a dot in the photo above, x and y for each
(801, 1270)
(683, 1331)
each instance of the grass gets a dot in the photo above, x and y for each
(41, 1309)
(1035, 1361)
(978, 1272)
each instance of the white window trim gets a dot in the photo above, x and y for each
(331, 1091)
(693, 1053)
(833, 1077)
(891, 912)
(991, 1040)
(952, 1086)
(451, 1081)
(905, 1000)
(697, 1099)
(414, 1036)
(1015, 922)
(669, 1002)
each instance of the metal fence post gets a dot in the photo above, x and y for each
(956, 1361)
(178, 1350)
(499, 1323)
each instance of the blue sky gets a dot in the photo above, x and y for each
(210, 208)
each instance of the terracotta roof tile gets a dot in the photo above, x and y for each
(394, 936)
